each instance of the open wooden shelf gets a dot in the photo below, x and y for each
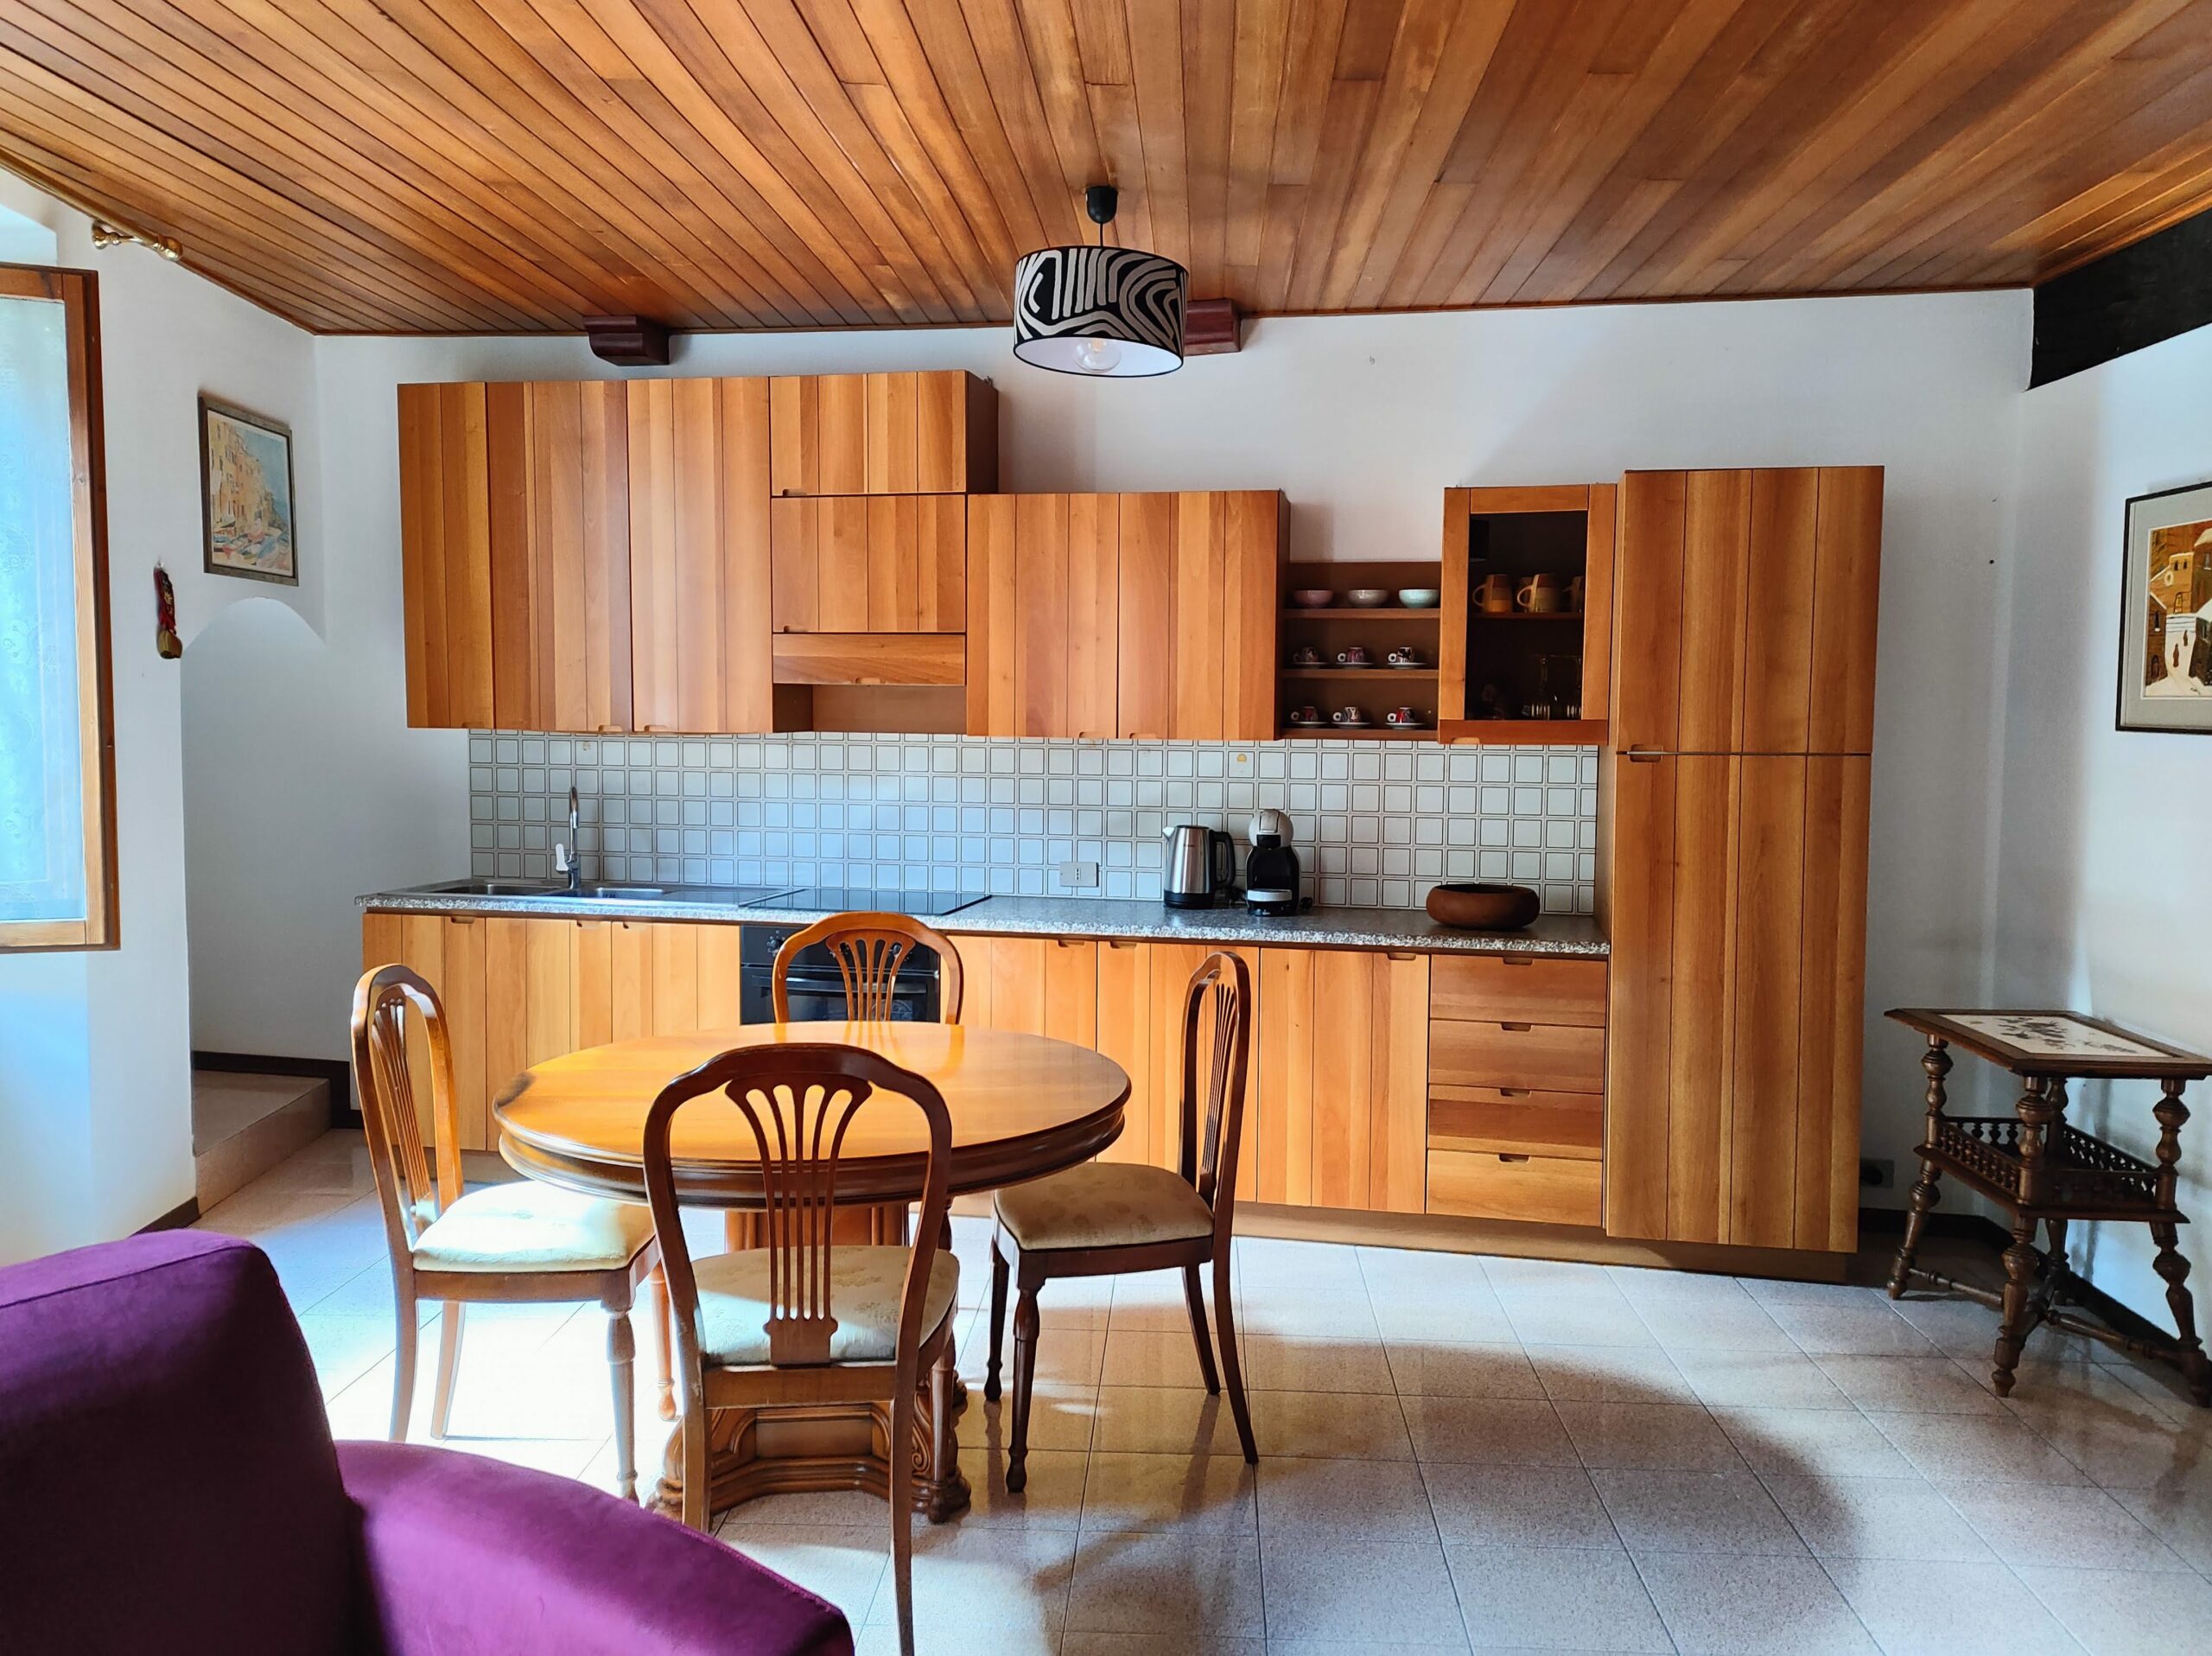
(1365, 733)
(1386, 612)
(1526, 733)
(1383, 674)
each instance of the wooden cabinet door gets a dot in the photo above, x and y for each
(699, 554)
(1144, 586)
(1832, 994)
(643, 977)
(1282, 1058)
(1172, 964)
(1397, 1158)
(445, 541)
(903, 433)
(1042, 614)
(449, 951)
(1125, 1008)
(869, 564)
(1223, 591)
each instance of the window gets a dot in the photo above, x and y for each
(57, 759)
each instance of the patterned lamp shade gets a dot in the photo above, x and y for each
(1111, 312)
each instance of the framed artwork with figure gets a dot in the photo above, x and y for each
(247, 512)
(2166, 617)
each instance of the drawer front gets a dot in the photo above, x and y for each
(1517, 988)
(1543, 1057)
(1496, 1118)
(1543, 1190)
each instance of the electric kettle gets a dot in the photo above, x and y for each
(1201, 867)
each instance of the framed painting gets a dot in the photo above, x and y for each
(2166, 617)
(247, 512)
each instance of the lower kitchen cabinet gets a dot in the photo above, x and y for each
(1542, 1189)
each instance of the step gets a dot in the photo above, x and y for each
(243, 1124)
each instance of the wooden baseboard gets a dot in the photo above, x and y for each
(185, 1214)
(335, 1073)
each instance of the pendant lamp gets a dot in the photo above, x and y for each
(1109, 312)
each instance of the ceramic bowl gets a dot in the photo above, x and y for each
(1484, 908)
(1312, 597)
(1368, 597)
(1419, 597)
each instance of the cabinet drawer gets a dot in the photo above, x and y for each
(1509, 1119)
(1543, 1057)
(1545, 1189)
(1517, 988)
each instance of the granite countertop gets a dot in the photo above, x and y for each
(1102, 917)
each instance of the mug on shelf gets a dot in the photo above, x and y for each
(1355, 656)
(1496, 595)
(1574, 596)
(1539, 595)
(1403, 717)
(1348, 717)
(1305, 656)
(1308, 714)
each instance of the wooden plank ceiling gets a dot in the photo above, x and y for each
(511, 165)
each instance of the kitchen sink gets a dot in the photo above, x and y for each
(601, 888)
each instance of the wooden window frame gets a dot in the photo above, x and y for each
(78, 292)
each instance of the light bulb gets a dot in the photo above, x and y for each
(1098, 356)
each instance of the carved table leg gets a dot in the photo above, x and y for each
(2172, 1264)
(1937, 1063)
(2036, 1112)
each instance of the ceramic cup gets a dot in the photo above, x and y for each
(1496, 595)
(1305, 656)
(1539, 595)
(1574, 595)
(1401, 716)
(1347, 715)
(1406, 657)
(1308, 714)
(1354, 657)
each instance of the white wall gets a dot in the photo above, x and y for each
(2105, 866)
(1363, 421)
(95, 1102)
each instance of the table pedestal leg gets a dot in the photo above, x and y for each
(1936, 1063)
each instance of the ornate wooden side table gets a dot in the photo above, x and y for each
(2045, 1171)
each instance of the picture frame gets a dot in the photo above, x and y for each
(249, 510)
(2165, 613)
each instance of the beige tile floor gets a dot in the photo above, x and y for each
(1457, 1453)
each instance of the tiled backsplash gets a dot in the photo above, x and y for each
(1377, 823)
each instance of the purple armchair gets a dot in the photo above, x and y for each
(167, 1483)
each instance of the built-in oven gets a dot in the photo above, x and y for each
(816, 987)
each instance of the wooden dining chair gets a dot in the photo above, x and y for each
(521, 1242)
(869, 948)
(1105, 1218)
(804, 1318)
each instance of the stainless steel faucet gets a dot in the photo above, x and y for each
(566, 858)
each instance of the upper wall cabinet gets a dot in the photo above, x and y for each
(1100, 615)
(1747, 601)
(884, 434)
(445, 527)
(870, 563)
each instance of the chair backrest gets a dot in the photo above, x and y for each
(869, 948)
(800, 1099)
(166, 1369)
(395, 1057)
(1216, 1048)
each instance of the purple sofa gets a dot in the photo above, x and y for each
(167, 1483)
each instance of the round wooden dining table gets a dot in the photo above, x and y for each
(1022, 1106)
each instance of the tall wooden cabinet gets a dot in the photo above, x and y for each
(1737, 816)
(1133, 616)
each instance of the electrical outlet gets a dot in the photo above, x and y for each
(1877, 1174)
(1079, 876)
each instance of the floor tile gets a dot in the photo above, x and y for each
(1075, 1642)
(1967, 1330)
(1415, 1270)
(1555, 1599)
(1164, 1420)
(1005, 1580)
(1911, 1386)
(948, 1635)
(1718, 1604)
(1517, 1506)
(1769, 1290)
(1431, 1369)
(1983, 1447)
(1867, 1330)
(1275, 1363)
(1052, 1497)
(2180, 1517)
(2025, 1523)
(1655, 1436)
(1152, 1300)
(1060, 1417)
(1610, 1374)
(1388, 1593)
(1649, 1285)
(1876, 1518)
(1323, 1267)
(840, 1564)
(1348, 1500)
(1836, 1442)
(1151, 1357)
(1760, 1379)
(1917, 1607)
(1166, 1582)
(1694, 1511)
(1729, 1327)
(2119, 1613)
(1597, 1317)
(1414, 1317)
(1488, 1431)
(1341, 1425)
(1190, 1493)
(1321, 1315)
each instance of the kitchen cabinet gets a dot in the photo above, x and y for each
(1133, 616)
(1753, 596)
(445, 558)
(1738, 927)
(450, 952)
(869, 564)
(905, 433)
(1342, 1056)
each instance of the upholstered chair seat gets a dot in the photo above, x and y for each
(527, 1226)
(866, 1286)
(1103, 1205)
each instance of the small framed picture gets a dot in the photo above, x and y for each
(2166, 617)
(246, 501)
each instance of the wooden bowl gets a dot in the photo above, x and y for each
(1478, 907)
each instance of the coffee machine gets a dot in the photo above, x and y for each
(1271, 872)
